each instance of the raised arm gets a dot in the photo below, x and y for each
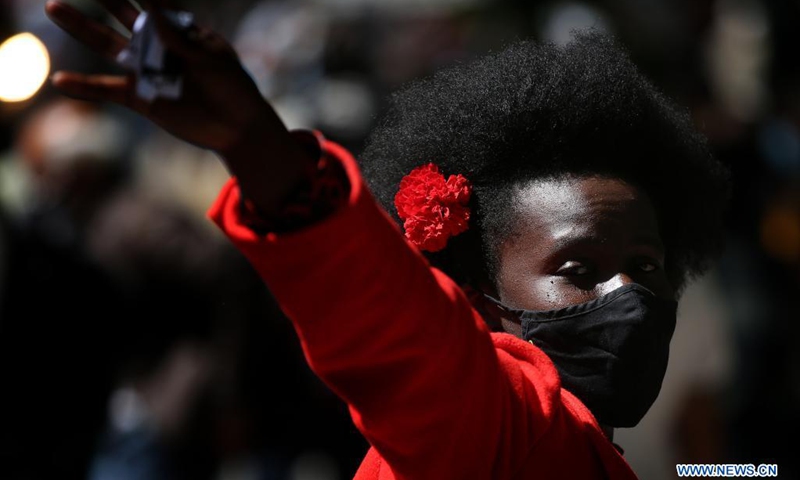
(394, 338)
(399, 341)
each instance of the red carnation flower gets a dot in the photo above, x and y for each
(433, 209)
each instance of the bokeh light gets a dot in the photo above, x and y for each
(24, 66)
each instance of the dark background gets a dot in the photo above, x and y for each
(136, 343)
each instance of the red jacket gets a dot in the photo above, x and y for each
(434, 392)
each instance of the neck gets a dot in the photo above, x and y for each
(609, 432)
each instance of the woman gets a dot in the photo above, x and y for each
(578, 202)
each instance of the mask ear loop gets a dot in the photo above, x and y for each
(497, 316)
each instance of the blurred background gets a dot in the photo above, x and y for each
(135, 343)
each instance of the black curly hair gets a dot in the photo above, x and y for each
(541, 110)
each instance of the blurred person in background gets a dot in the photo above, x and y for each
(128, 279)
(53, 399)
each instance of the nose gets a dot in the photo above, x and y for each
(613, 283)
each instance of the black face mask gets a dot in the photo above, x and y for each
(610, 352)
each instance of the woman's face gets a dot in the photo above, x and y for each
(577, 239)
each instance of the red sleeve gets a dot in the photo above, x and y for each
(399, 342)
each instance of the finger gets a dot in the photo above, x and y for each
(174, 39)
(99, 88)
(100, 38)
(122, 10)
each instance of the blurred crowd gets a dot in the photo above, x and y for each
(136, 343)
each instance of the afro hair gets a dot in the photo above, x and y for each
(539, 110)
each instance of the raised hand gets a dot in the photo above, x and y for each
(220, 109)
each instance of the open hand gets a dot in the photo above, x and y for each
(220, 109)
(219, 101)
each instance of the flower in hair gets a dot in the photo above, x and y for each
(433, 209)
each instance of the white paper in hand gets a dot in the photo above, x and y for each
(158, 72)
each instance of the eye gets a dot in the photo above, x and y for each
(573, 268)
(647, 265)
